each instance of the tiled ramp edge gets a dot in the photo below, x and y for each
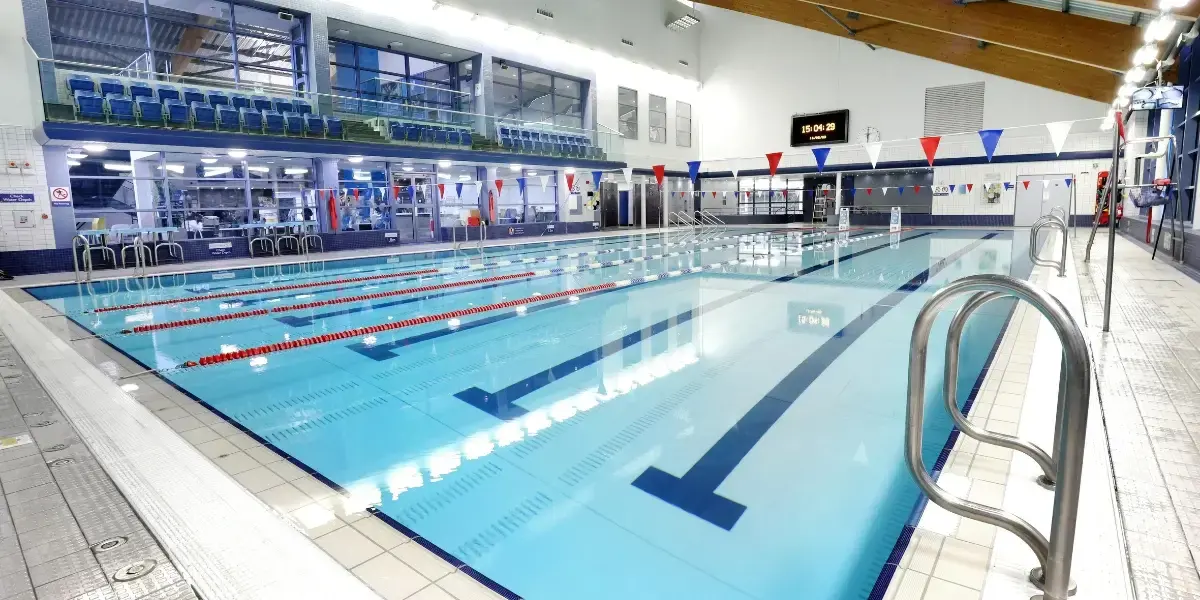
(226, 541)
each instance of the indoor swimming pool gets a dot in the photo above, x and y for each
(667, 415)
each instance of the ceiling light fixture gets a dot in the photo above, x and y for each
(76, 155)
(1159, 29)
(445, 164)
(208, 160)
(406, 169)
(237, 153)
(1135, 75)
(355, 159)
(73, 163)
(118, 166)
(1171, 4)
(683, 23)
(258, 169)
(1146, 55)
(514, 167)
(295, 171)
(95, 148)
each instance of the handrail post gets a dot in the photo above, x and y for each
(1055, 555)
(1053, 222)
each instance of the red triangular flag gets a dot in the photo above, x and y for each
(570, 181)
(356, 195)
(500, 185)
(773, 161)
(396, 192)
(970, 186)
(441, 190)
(869, 191)
(917, 189)
(660, 171)
(714, 194)
(1026, 183)
(930, 145)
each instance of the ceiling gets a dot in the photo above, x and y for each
(1079, 47)
(370, 36)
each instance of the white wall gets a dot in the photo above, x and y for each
(758, 73)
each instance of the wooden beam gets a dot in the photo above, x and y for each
(1081, 40)
(1035, 69)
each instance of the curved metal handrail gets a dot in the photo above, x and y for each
(1059, 212)
(1055, 223)
(76, 244)
(1054, 554)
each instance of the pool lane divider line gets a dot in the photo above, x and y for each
(416, 290)
(519, 304)
(403, 274)
(696, 491)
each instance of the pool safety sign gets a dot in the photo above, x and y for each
(894, 224)
(19, 197)
(391, 238)
(220, 249)
(60, 197)
(844, 219)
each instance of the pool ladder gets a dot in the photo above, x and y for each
(1061, 471)
(1053, 221)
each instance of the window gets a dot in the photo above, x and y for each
(532, 96)
(373, 81)
(683, 124)
(658, 119)
(627, 113)
(187, 39)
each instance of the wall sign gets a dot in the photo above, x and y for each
(391, 238)
(894, 224)
(550, 227)
(516, 231)
(60, 197)
(220, 249)
(821, 128)
(844, 219)
(20, 197)
(822, 319)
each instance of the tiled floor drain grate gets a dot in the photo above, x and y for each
(110, 544)
(62, 462)
(42, 423)
(135, 570)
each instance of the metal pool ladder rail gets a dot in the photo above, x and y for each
(1052, 221)
(711, 219)
(1053, 575)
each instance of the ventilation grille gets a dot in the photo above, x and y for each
(545, 13)
(954, 108)
(684, 63)
(626, 42)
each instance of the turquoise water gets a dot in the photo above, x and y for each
(730, 433)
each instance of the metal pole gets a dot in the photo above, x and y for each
(1115, 179)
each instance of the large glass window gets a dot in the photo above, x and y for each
(531, 96)
(627, 113)
(210, 40)
(658, 119)
(683, 124)
(371, 80)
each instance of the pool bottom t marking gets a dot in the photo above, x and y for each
(696, 491)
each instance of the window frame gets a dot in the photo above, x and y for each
(621, 120)
(657, 128)
(680, 132)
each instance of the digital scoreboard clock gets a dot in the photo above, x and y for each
(821, 128)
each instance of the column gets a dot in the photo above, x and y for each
(146, 176)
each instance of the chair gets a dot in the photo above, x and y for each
(140, 89)
(303, 107)
(333, 128)
(148, 109)
(396, 130)
(314, 124)
(526, 145)
(525, 135)
(177, 112)
(192, 95)
(239, 102)
(168, 92)
(412, 133)
(252, 120)
(505, 132)
(120, 107)
(453, 138)
(80, 83)
(466, 138)
(203, 115)
(439, 136)
(506, 143)
(294, 123)
(261, 103)
(89, 104)
(427, 134)
(218, 98)
(283, 105)
(273, 122)
(228, 118)
(109, 85)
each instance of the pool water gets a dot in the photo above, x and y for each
(729, 431)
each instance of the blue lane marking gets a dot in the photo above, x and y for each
(695, 492)
(502, 404)
(386, 351)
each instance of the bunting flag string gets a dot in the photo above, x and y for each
(628, 173)
(952, 186)
(596, 177)
(820, 154)
(521, 185)
(900, 190)
(773, 161)
(545, 181)
(458, 190)
(571, 183)
(660, 172)
(873, 149)
(1069, 182)
(693, 170)
(885, 190)
(869, 191)
(500, 186)
(916, 189)
(930, 145)
(1007, 186)
(1026, 183)
(990, 138)
(441, 190)
(970, 187)
(1058, 134)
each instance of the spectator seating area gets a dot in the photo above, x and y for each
(533, 141)
(157, 104)
(424, 133)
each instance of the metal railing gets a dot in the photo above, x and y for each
(1054, 222)
(77, 244)
(711, 220)
(1054, 555)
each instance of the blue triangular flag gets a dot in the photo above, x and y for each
(693, 170)
(952, 186)
(1068, 182)
(1007, 185)
(990, 137)
(412, 193)
(521, 184)
(852, 190)
(596, 176)
(458, 189)
(901, 190)
(821, 154)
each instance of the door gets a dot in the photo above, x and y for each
(1044, 193)
(623, 208)
(413, 207)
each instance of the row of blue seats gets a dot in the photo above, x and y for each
(539, 142)
(544, 137)
(430, 134)
(188, 95)
(146, 110)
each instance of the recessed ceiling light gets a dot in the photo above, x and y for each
(95, 148)
(258, 169)
(295, 171)
(446, 55)
(533, 173)
(237, 153)
(73, 163)
(76, 155)
(406, 169)
(355, 159)
(341, 32)
(443, 176)
(395, 44)
(445, 164)
(570, 170)
(464, 177)
(514, 167)
(208, 160)
(118, 166)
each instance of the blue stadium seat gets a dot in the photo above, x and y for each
(397, 130)
(149, 110)
(216, 98)
(333, 127)
(303, 107)
(465, 137)
(108, 85)
(413, 133)
(120, 108)
(168, 92)
(506, 143)
(314, 123)
(283, 105)
(192, 95)
(525, 136)
(252, 120)
(239, 102)
(526, 145)
(203, 115)
(453, 138)
(228, 118)
(505, 132)
(177, 111)
(80, 83)
(273, 122)
(89, 104)
(141, 89)
(440, 137)
(261, 103)
(427, 134)
(294, 123)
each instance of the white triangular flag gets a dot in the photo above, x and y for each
(478, 191)
(545, 179)
(1045, 183)
(1058, 134)
(628, 172)
(873, 149)
(885, 190)
(735, 172)
(725, 194)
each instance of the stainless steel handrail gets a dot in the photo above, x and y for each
(711, 221)
(1054, 555)
(77, 243)
(1059, 212)
(1053, 222)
